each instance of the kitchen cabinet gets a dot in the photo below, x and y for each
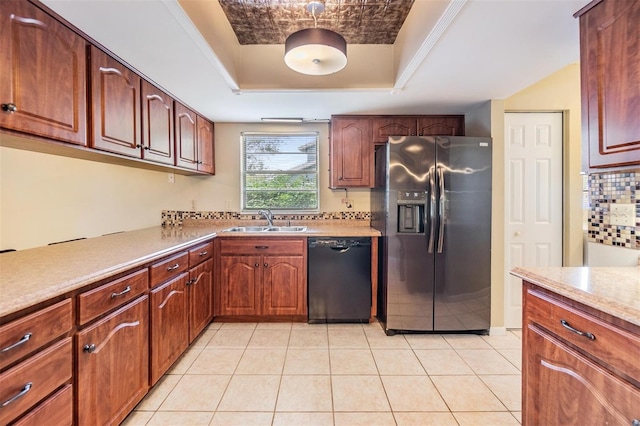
(35, 363)
(262, 277)
(169, 335)
(610, 82)
(579, 365)
(206, 153)
(200, 289)
(351, 152)
(186, 137)
(424, 125)
(157, 124)
(42, 75)
(112, 363)
(115, 106)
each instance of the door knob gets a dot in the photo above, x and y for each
(9, 107)
(517, 233)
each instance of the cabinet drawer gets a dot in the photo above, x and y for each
(23, 336)
(612, 345)
(200, 254)
(169, 268)
(101, 300)
(57, 410)
(35, 378)
(262, 246)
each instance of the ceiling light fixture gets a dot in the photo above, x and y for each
(315, 51)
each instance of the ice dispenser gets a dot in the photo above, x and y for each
(411, 212)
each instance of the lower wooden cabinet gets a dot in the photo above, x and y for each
(112, 361)
(262, 277)
(169, 325)
(200, 291)
(580, 366)
(57, 410)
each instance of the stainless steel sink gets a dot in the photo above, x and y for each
(266, 229)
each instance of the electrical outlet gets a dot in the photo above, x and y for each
(171, 177)
(622, 214)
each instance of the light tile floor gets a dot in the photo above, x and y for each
(342, 374)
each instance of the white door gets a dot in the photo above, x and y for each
(533, 199)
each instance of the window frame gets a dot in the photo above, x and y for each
(243, 172)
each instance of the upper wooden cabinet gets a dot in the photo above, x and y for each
(186, 137)
(351, 152)
(427, 125)
(610, 79)
(42, 75)
(206, 154)
(115, 106)
(157, 124)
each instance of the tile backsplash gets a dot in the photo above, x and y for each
(606, 189)
(177, 217)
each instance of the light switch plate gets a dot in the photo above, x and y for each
(622, 214)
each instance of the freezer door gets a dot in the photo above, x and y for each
(463, 247)
(409, 268)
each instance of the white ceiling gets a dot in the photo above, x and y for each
(478, 50)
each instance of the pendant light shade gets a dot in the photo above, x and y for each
(315, 51)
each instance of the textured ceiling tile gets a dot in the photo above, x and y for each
(358, 21)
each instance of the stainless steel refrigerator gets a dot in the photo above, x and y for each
(432, 204)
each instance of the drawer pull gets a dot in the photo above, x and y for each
(191, 282)
(24, 340)
(256, 265)
(174, 267)
(635, 422)
(266, 265)
(20, 394)
(262, 247)
(123, 292)
(89, 348)
(566, 325)
(203, 253)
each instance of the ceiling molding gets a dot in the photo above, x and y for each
(183, 20)
(432, 39)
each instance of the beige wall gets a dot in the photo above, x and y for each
(47, 198)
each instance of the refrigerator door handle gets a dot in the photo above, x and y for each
(431, 208)
(441, 207)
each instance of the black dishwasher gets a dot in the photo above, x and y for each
(339, 280)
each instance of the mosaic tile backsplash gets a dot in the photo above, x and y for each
(606, 189)
(176, 217)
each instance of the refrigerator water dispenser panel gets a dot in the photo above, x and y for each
(411, 212)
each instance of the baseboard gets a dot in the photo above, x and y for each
(497, 331)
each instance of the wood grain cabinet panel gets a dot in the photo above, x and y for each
(206, 152)
(200, 291)
(115, 106)
(157, 124)
(383, 127)
(24, 385)
(57, 410)
(440, 125)
(112, 364)
(186, 137)
(284, 285)
(42, 75)
(351, 152)
(169, 325)
(32, 332)
(240, 277)
(610, 80)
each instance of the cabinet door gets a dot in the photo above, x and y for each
(564, 387)
(351, 153)
(239, 280)
(284, 287)
(610, 65)
(383, 127)
(115, 106)
(206, 153)
(169, 325)
(200, 298)
(42, 73)
(157, 125)
(113, 365)
(186, 137)
(441, 125)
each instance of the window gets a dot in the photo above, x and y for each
(280, 171)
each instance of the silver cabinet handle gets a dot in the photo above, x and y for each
(22, 341)
(10, 107)
(588, 335)
(203, 253)
(174, 267)
(123, 292)
(20, 394)
(89, 348)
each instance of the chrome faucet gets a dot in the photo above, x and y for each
(267, 215)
